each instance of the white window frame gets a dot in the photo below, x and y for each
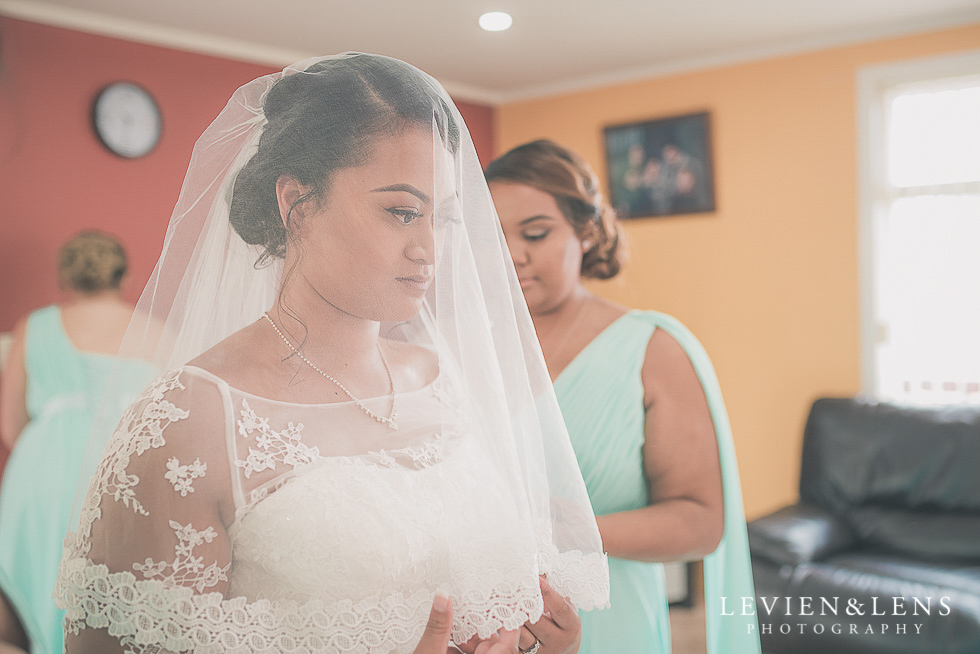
(873, 83)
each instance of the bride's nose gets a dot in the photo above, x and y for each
(421, 244)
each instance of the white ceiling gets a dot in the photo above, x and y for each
(554, 45)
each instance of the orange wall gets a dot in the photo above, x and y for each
(769, 282)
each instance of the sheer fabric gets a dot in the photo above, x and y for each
(279, 517)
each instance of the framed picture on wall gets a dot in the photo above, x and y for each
(661, 167)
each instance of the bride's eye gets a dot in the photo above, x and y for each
(405, 216)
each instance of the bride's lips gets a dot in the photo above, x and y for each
(417, 282)
(525, 281)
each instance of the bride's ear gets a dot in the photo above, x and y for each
(292, 196)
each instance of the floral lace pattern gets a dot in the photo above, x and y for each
(272, 447)
(187, 569)
(577, 576)
(140, 429)
(161, 615)
(181, 476)
(426, 455)
(330, 554)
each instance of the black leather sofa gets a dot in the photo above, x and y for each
(888, 523)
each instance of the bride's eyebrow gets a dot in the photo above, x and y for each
(407, 188)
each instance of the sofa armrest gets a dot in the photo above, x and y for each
(798, 534)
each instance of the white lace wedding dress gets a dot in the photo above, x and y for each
(220, 521)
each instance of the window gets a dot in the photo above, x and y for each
(920, 187)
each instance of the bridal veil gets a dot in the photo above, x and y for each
(219, 519)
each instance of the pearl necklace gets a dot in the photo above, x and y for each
(389, 421)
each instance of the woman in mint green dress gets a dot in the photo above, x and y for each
(53, 382)
(642, 406)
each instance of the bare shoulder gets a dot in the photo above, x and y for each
(665, 355)
(123, 312)
(667, 368)
(235, 359)
(117, 318)
(412, 366)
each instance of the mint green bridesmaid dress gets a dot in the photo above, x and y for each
(601, 398)
(64, 389)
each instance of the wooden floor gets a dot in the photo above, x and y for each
(687, 628)
(687, 623)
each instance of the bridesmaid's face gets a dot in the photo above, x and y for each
(546, 250)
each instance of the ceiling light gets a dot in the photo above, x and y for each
(495, 21)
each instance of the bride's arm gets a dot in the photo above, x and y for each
(156, 536)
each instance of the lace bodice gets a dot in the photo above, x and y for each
(221, 521)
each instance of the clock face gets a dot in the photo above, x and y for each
(127, 120)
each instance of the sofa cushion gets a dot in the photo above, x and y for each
(891, 472)
(938, 609)
(927, 535)
(798, 534)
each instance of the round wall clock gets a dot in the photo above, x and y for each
(127, 119)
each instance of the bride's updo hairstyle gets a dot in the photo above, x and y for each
(569, 179)
(324, 119)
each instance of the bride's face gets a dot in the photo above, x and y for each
(368, 248)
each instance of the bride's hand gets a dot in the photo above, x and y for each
(503, 642)
(435, 638)
(559, 631)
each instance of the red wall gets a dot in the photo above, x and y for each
(55, 176)
(479, 120)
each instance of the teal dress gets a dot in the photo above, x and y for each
(64, 389)
(601, 398)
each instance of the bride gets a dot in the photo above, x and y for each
(354, 417)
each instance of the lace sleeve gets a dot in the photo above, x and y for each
(149, 562)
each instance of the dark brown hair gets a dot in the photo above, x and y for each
(569, 179)
(324, 119)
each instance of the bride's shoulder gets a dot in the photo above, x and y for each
(180, 389)
(234, 359)
(412, 366)
(177, 413)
